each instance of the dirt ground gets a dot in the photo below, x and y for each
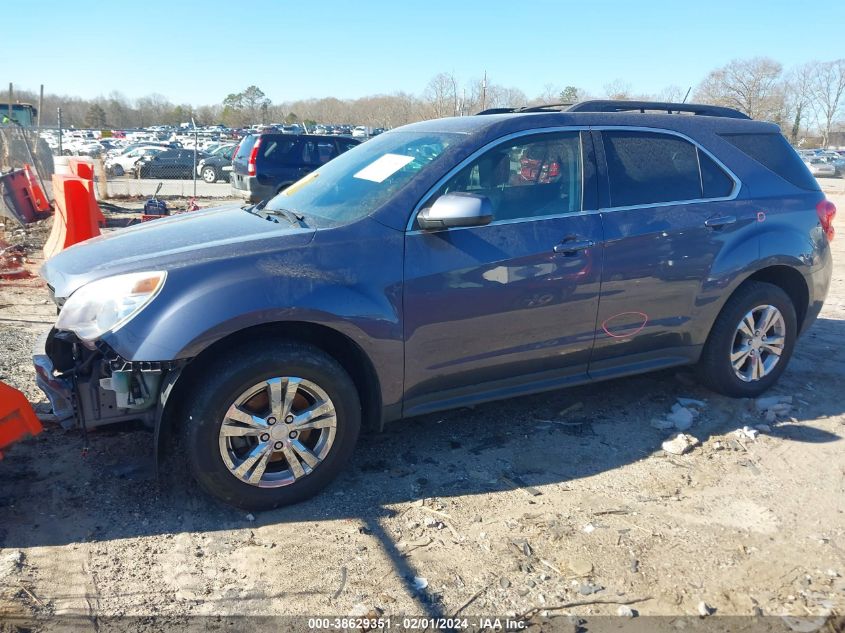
(517, 507)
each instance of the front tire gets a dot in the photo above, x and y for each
(271, 424)
(751, 341)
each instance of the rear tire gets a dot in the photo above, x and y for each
(219, 447)
(751, 341)
(209, 174)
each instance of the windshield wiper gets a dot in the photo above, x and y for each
(291, 216)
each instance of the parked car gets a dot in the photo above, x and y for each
(360, 131)
(820, 168)
(171, 163)
(217, 166)
(125, 163)
(265, 164)
(443, 264)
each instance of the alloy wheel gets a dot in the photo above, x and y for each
(758, 343)
(277, 432)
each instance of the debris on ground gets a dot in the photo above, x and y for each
(773, 406)
(747, 433)
(580, 566)
(10, 563)
(680, 444)
(624, 611)
(704, 609)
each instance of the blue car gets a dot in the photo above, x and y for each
(443, 264)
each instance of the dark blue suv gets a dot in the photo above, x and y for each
(265, 164)
(443, 264)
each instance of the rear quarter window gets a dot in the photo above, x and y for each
(775, 153)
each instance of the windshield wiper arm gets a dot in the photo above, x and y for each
(291, 216)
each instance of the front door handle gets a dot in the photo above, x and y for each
(719, 221)
(571, 247)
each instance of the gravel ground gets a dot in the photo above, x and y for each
(518, 507)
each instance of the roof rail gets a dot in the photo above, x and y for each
(627, 106)
(657, 106)
(545, 107)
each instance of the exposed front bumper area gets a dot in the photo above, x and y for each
(96, 387)
(57, 390)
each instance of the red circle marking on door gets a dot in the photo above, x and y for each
(627, 324)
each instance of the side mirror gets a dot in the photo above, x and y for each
(454, 210)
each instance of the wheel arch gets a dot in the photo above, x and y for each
(791, 281)
(334, 343)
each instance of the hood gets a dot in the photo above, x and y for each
(169, 243)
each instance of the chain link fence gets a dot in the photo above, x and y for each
(137, 169)
(21, 146)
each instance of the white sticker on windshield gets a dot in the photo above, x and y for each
(382, 168)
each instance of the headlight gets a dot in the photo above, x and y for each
(107, 304)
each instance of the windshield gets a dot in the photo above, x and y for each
(357, 182)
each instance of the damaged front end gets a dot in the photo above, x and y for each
(85, 379)
(93, 387)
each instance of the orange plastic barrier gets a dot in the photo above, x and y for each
(17, 419)
(74, 220)
(85, 169)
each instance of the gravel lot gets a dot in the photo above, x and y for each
(515, 507)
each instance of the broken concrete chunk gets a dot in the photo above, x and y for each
(680, 417)
(704, 609)
(681, 444)
(588, 589)
(747, 433)
(624, 611)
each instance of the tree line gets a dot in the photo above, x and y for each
(806, 100)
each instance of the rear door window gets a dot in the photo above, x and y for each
(650, 168)
(715, 183)
(281, 150)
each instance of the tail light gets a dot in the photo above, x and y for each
(253, 155)
(826, 211)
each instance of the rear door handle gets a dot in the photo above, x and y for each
(719, 221)
(571, 247)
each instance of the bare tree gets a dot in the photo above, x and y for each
(442, 95)
(798, 94)
(617, 89)
(752, 86)
(828, 88)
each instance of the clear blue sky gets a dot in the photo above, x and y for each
(197, 52)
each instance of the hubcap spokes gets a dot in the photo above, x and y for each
(277, 432)
(758, 343)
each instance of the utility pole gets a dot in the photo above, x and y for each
(59, 123)
(38, 118)
(484, 92)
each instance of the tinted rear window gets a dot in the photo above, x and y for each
(245, 147)
(774, 152)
